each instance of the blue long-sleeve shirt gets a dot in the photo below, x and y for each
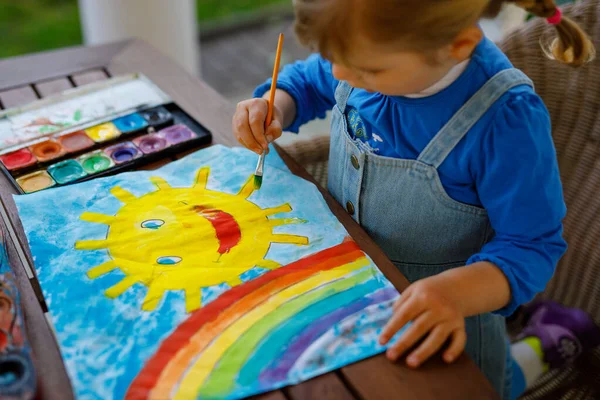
(506, 164)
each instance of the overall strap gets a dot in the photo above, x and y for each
(342, 94)
(459, 125)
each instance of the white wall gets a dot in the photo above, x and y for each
(169, 25)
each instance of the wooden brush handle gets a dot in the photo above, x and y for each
(274, 81)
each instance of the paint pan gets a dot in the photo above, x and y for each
(66, 171)
(152, 143)
(35, 181)
(76, 141)
(177, 134)
(131, 123)
(103, 132)
(123, 152)
(18, 159)
(158, 117)
(47, 150)
(95, 162)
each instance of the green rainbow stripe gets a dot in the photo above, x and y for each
(221, 381)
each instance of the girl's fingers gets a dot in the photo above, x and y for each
(430, 346)
(457, 345)
(274, 131)
(408, 311)
(258, 115)
(412, 335)
(243, 132)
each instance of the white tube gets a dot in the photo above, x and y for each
(169, 25)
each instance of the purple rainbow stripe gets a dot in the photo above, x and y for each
(279, 368)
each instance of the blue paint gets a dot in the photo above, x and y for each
(130, 123)
(168, 260)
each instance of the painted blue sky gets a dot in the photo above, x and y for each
(105, 342)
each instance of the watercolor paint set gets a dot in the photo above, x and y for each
(91, 131)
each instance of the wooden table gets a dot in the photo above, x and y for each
(23, 79)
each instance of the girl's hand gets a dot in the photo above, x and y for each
(249, 125)
(434, 317)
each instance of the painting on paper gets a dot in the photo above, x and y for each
(188, 283)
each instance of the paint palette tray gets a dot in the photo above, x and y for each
(103, 145)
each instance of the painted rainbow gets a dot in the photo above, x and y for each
(272, 331)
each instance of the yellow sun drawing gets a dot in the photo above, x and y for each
(186, 239)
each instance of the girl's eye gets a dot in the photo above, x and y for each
(153, 223)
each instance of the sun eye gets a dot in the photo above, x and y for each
(168, 260)
(153, 223)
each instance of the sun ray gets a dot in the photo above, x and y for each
(287, 221)
(155, 293)
(92, 244)
(247, 189)
(120, 288)
(276, 210)
(268, 264)
(202, 178)
(193, 299)
(159, 183)
(102, 269)
(97, 218)
(289, 239)
(122, 195)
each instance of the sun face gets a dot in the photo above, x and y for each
(186, 239)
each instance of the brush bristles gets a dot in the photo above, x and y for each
(257, 181)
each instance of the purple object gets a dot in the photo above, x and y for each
(564, 332)
(123, 152)
(152, 143)
(177, 134)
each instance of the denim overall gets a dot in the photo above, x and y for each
(404, 208)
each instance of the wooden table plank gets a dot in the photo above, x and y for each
(55, 64)
(84, 78)
(277, 395)
(17, 96)
(53, 86)
(372, 379)
(328, 386)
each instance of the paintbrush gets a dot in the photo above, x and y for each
(260, 167)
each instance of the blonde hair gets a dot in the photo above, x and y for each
(422, 25)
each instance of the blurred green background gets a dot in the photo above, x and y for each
(28, 26)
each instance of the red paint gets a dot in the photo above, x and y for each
(18, 159)
(76, 141)
(47, 150)
(322, 261)
(226, 228)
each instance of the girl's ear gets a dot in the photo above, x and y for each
(464, 44)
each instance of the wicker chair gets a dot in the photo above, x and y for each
(573, 99)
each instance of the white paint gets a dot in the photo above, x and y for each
(168, 25)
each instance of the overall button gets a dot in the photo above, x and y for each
(350, 208)
(354, 161)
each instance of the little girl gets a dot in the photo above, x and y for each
(443, 152)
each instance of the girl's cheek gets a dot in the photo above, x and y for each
(342, 74)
